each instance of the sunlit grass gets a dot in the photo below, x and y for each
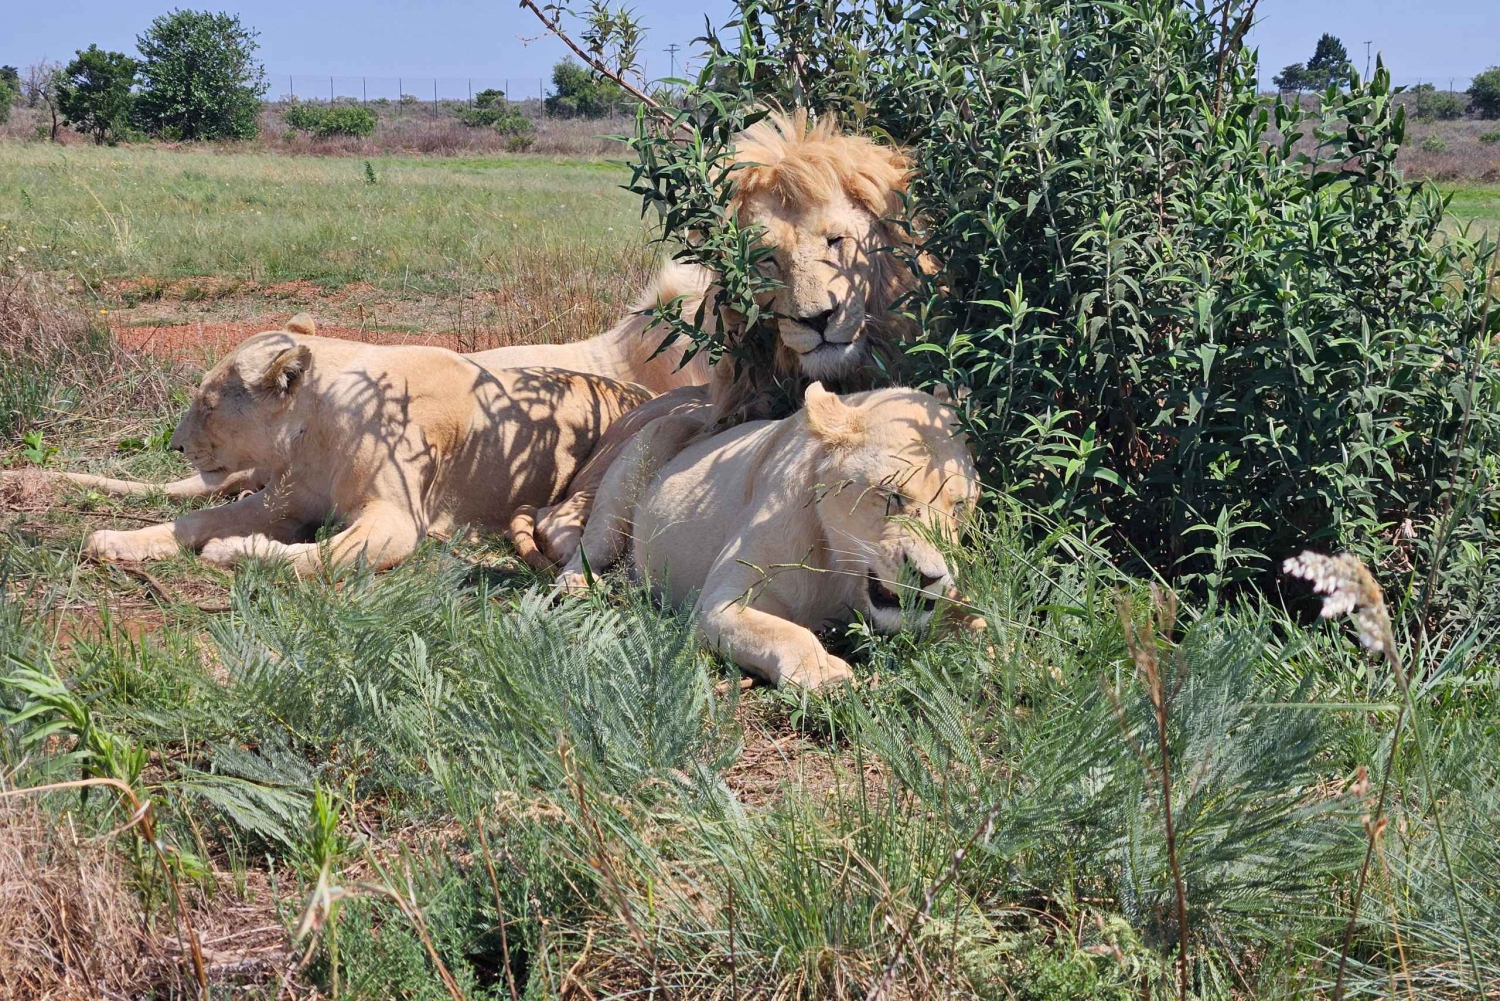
(424, 225)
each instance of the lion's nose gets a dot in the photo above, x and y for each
(925, 580)
(176, 447)
(818, 322)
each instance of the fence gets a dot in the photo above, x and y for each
(405, 92)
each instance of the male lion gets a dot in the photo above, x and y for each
(399, 442)
(782, 526)
(828, 205)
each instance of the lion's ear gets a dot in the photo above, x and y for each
(302, 324)
(950, 397)
(285, 372)
(836, 425)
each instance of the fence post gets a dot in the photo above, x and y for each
(364, 92)
(400, 95)
(291, 86)
(541, 95)
(434, 97)
(330, 92)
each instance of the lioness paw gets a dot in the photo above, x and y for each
(817, 673)
(236, 549)
(572, 582)
(130, 547)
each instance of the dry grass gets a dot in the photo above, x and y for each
(70, 925)
(53, 357)
(416, 132)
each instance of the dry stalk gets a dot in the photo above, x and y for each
(1143, 652)
(489, 865)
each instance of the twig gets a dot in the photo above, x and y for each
(160, 590)
(570, 979)
(553, 25)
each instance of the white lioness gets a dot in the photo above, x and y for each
(396, 442)
(829, 205)
(783, 526)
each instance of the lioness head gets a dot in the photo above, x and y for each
(237, 415)
(824, 201)
(896, 475)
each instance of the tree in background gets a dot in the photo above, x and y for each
(10, 89)
(95, 93)
(1329, 64)
(199, 77)
(1484, 93)
(578, 93)
(1292, 79)
(42, 85)
(1435, 105)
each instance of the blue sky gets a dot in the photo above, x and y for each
(385, 39)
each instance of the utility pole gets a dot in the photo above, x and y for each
(1367, 59)
(672, 51)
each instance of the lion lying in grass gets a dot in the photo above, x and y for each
(830, 206)
(783, 526)
(398, 442)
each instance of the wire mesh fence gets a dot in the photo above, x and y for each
(413, 93)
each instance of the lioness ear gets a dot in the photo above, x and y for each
(302, 324)
(286, 370)
(837, 425)
(950, 397)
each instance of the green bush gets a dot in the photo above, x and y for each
(95, 94)
(303, 117)
(1489, 138)
(489, 97)
(7, 97)
(504, 118)
(1435, 105)
(345, 120)
(577, 93)
(1484, 93)
(1434, 144)
(1176, 329)
(199, 78)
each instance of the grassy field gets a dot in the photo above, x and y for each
(1478, 204)
(434, 783)
(491, 248)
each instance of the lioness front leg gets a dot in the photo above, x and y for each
(275, 516)
(383, 534)
(759, 639)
